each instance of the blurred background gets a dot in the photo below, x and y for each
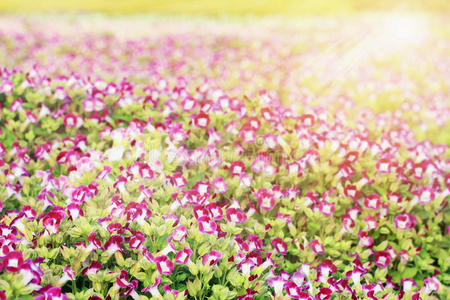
(226, 7)
(387, 56)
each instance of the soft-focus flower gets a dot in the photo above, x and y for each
(382, 259)
(265, 199)
(405, 221)
(279, 245)
(316, 247)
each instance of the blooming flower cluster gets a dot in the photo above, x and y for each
(149, 172)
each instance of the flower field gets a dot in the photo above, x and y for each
(192, 159)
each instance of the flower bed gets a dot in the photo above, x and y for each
(172, 167)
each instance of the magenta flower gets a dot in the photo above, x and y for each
(293, 290)
(201, 120)
(189, 104)
(247, 134)
(279, 245)
(183, 256)
(237, 168)
(215, 210)
(212, 258)
(265, 199)
(72, 120)
(52, 220)
(42, 151)
(60, 93)
(122, 280)
(254, 242)
(405, 221)
(81, 194)
(13, 261)
(325, 269)
(177, 133)
(327, 209)
(236, 215)
(206, 225)
(2, 150)
(356, 273)
(6, 86)
(29, 212)
(94, 243)
(136, 241)
(200, 211)
(202, 187)
(370, 223)
(68, 274)
(382, 259)
(351, 191)
(170, 248)
(346, 171)
(408, 284)
(277, 283)
(92, 268)
(164, 265)
(115, 227)
(114, 244)
(384, 165)
(324, 293)
(93, 104)
(137, 212)
(404, 256)
(419, 170)
(178, 180)
(16, 105)
(365, 240)
(74, 211)
(104, 173)
(31, 118)
(168, 290)
(31, 272)
(316, 247)
(270, 141)
(178, 234)
(219, 185)
(307, 120)
(425, 195)
(50, 292)
(431, 284)
(347, 223)
(351, 156)
(394, 197)
(153, 288)
(372, 202)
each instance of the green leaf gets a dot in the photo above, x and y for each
(204, 248)
(194, 287)
(193, 269)
(409, 273)
(384, 230)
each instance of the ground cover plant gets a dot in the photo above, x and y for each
(207, 164)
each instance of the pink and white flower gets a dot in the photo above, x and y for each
(405, 221)
(372, 202)
(279, 245)
(316, 247)
(164, 265)
(382, 259)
